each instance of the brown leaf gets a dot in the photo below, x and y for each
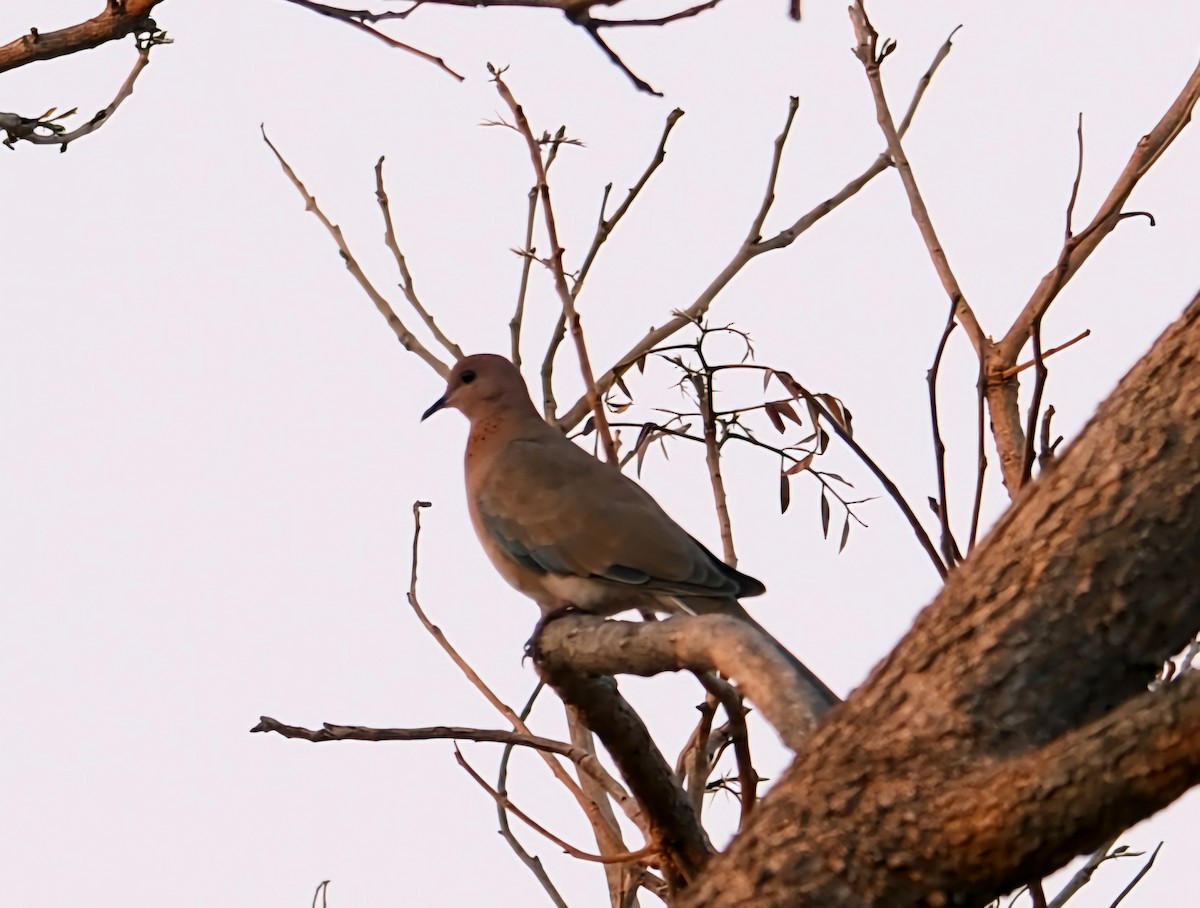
(800, 465)
(845, 534)
(624, 387)
(642, 445)
(772, 410)
(767, 373)
(641, 364)
(824, 515)
(588, 427)
(785, 492)
(823, 441)
(785, 408)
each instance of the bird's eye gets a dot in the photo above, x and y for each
(467, 377)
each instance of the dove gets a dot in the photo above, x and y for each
(569, 531)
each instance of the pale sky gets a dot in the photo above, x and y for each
(210, 437)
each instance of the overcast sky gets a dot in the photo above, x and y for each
(210, 443)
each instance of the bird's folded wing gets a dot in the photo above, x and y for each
(555, 509)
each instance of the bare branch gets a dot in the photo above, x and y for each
(591, 766)
(406, 281)
(406, 337)
(26, 129)
(332, 732)
(529, 860)
(745, 253)
(360, 18)
(1077, 248)
(555, 260)
(950, 551)
(512, 808)
(869, 55)
(604, 229)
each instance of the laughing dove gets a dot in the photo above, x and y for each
(568, 530)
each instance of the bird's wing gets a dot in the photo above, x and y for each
(555, 509)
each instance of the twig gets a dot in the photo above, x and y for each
(604, 228)
(694, 765)
(1138, 878)
(869, 55)
(359, 19)
(1076, 249)
(331, 732)
(1046, 354)
(532, 824)
(406, 338)
(406, 281)
(18, 128)
(627, 804)
(739, 736)
(712, 457)
(1035, 405)
(556, 266)
(527, 250)
(700, 306)
(527, 253)
(1083, 875)
(981, 461)
(949, 547)
(532, 861)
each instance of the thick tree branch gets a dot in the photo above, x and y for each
(699, 643)
(1033, 663)
(120, 18)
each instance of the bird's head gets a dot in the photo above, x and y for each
(481, 384)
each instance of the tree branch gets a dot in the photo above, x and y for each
(746, 252)
(588, 645)
(120, 18)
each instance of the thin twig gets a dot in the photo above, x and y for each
(604, 228)
(1079, 247)
(627, 804)
(406, 281)
(359, 19)
(712, 457)
(406, 337)
(739, 737)
(332, 732)
(949, 546)
(981, 461)
(555, 260)
(527, 254)
(536, 827)
(1138, 878)
(1035, 405)
(26, 129)
(744, 254)
(1046, 354)
(1083, 875)
(869, 55)
(532, 861)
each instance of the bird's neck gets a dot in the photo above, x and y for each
(501, 426)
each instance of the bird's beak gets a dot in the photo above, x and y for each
(437, 405)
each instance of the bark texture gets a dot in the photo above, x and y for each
(120, 18)
(1012, 728)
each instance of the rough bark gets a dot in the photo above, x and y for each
(1011, 728)
(120, 18)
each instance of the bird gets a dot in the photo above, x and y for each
(569, 531)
